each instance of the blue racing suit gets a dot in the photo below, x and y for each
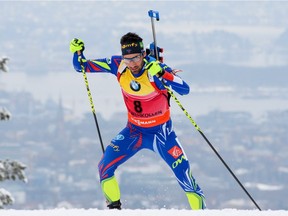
(149, 125)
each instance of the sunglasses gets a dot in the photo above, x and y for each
(136, 58)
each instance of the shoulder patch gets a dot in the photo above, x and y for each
(108, 60)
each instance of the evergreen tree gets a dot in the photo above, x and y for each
(10, 170)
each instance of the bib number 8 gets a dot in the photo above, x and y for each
(137, 106)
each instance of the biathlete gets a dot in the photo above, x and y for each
(149, 125)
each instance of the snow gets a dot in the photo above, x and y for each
(148, 212)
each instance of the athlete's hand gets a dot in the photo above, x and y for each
(154, 68)
(76, 45)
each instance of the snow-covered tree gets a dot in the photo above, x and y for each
(5, 198)
(4, 114)
(3, 64)
(10, 170)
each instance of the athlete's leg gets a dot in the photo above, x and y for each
(169, 148)
(127, 143)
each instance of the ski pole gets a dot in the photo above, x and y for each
(151, 14)
(212, 147)
(154, 14)
(90, 100)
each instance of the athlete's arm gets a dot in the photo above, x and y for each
(104, 65)
(175, 82)
(166, 76)
(169, 78)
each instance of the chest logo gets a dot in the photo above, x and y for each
(135, 86)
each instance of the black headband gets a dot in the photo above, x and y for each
(130, 48)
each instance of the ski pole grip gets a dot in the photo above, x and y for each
(154, 14)
(80, 58)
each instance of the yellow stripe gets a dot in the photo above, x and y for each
(102, 64)
(111, 189)
(195, 201)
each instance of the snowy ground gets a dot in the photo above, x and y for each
(162, 212)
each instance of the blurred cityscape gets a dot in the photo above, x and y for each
(61, 153)
(235, 58)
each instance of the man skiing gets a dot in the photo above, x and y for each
(149, 126)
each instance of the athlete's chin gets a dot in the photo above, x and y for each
(135, 70)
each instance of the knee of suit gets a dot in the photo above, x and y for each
(105, 171)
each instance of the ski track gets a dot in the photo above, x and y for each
(148, 212)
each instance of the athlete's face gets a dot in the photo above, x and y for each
(134, 62)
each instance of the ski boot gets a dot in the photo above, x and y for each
(115, 205)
